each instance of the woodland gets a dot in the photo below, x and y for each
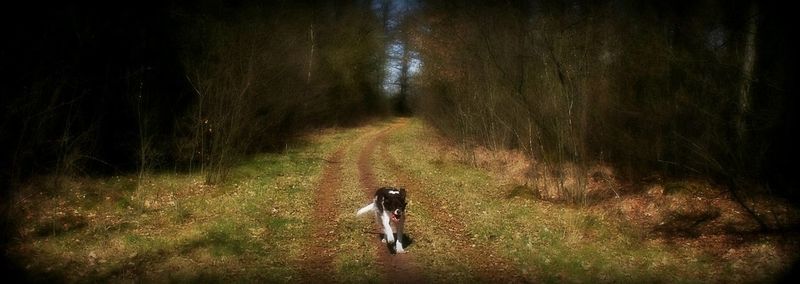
(660, 91)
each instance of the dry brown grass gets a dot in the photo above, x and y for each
(651, 230)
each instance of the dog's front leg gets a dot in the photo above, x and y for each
(387, 228)
(378, 221)
(398, 247)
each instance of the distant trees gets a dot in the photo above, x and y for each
(89, 88)
(668, 87)
(684, 88)
(270, 70)
(98, 89)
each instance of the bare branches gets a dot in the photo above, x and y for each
(595, 82)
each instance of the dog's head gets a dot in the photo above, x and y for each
(393, 201)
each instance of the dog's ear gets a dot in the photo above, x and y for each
(403, 193)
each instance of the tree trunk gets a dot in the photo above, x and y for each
(748, 66)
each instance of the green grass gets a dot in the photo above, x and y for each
(253, 227)
(561, 243)
(257, 226)
(355, 258)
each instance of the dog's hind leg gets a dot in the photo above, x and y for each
(380, 223)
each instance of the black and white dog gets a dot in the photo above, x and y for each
(389, 205)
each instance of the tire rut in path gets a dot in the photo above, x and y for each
(487, 265)
(318, 261)
(398, 268)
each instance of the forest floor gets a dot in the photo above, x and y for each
(290, 217)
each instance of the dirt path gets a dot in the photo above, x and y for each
(318, 261)
(487, 266)
(398, 268)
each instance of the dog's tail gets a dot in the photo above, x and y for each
(366, 209)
